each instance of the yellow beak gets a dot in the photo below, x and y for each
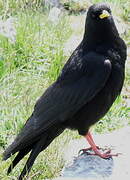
(104, 14)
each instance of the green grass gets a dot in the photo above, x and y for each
(38, 42)
(27, 68)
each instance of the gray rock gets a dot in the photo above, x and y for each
(89, 166)
(53, 3)
(7, 29)
(54, 15)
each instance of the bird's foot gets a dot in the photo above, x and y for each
(105, 155)
(91, 149)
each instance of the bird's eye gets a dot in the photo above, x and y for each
(109, 11)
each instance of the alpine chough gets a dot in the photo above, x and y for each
(83, 93)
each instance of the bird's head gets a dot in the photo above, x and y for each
(97, 13)
(99, 21)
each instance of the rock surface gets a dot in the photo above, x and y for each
(53, 3)
(54, 15)
(89, 166)
(7, 29)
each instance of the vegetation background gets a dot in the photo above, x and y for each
(35, 42)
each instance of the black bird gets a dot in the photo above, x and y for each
(83, 93)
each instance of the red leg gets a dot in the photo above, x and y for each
(96, 148)
(90, 137)
(90, 148)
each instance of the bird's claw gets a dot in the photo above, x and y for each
(105, 155)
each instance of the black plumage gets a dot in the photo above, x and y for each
(88, 85)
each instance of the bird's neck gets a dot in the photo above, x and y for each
(99, 38)
(95, 36)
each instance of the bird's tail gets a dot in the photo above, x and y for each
(35, 149)
(19, 156)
